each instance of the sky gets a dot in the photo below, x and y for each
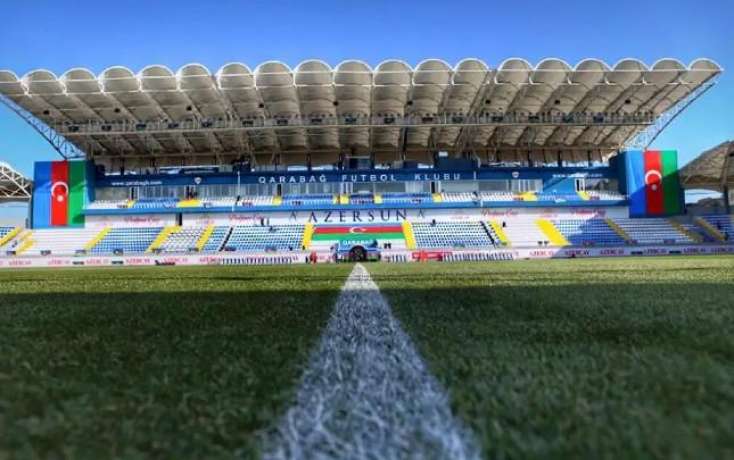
(58, 36)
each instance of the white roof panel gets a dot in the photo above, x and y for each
(320, 111)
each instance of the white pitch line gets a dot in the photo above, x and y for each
(367, 393)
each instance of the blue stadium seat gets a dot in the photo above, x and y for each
(584, 232)
(452, 235)
(127, 239)
(249, 238)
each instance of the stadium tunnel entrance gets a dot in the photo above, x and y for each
(357, 254)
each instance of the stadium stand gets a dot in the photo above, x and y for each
(217, 239)
(652, 231)
(109, 204)
(406, 198)
(63, 241)
(587, 232)
(605, 196)
(250, 238)
(459, 197)
(307, 200)
(452, 235)
(153, 203)
(247, 201)
(525, 232)
(496, 196)
(127, 240)
(183, 239)
(4, 231)
(724, 226)
(361, 198)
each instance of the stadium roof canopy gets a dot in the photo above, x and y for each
(711, 170)
(313, 112)
(13, 185)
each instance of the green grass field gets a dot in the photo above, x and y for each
(610, 358)
(153, 362)
(615, 358)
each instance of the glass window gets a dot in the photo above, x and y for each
(111, 193)
(527, 185)
(494, 185)
(459, 186)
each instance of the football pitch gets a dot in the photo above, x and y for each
(604, 358)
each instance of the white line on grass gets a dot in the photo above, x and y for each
(366, 392)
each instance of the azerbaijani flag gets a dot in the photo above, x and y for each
(358, 232)
(59, 188)
(653, 183)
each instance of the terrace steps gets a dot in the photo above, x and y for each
(500, 232)
(710, 229)
(25, 242)
(617, 229)
(204, 238)
(307, 236)
(682, 230)
(162, 237)
(95, 241)
(551, 231)
(13, 233)
(409, 235)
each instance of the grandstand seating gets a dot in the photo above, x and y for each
(182, 240)
(583, 232)
(254, 200)
(724, 224)
(525, 232)
(469, 197)
(127, 239)
(265, 238)
(61, 241)
(152, 203)
(108, 204)
(308, 200)
(5, 230)
(216, 239)
(361, 198)
(451, 235)
(652, 231)
(406, 198)
(605, 196)
(496, 196)
(224, 202)
(459, 197)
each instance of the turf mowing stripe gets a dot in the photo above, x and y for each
(366, 392)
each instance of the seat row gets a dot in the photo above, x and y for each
(520, 231)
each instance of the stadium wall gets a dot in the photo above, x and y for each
(396, 215)
(387, 256)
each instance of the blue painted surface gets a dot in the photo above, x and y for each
(351, 207)
(559, 177)
(635, 174)
(41, 212)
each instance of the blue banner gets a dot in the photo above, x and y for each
(635, 175)
(552, 175)
(41, 213)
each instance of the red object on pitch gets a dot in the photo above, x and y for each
(59, 192)
(654, 183)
